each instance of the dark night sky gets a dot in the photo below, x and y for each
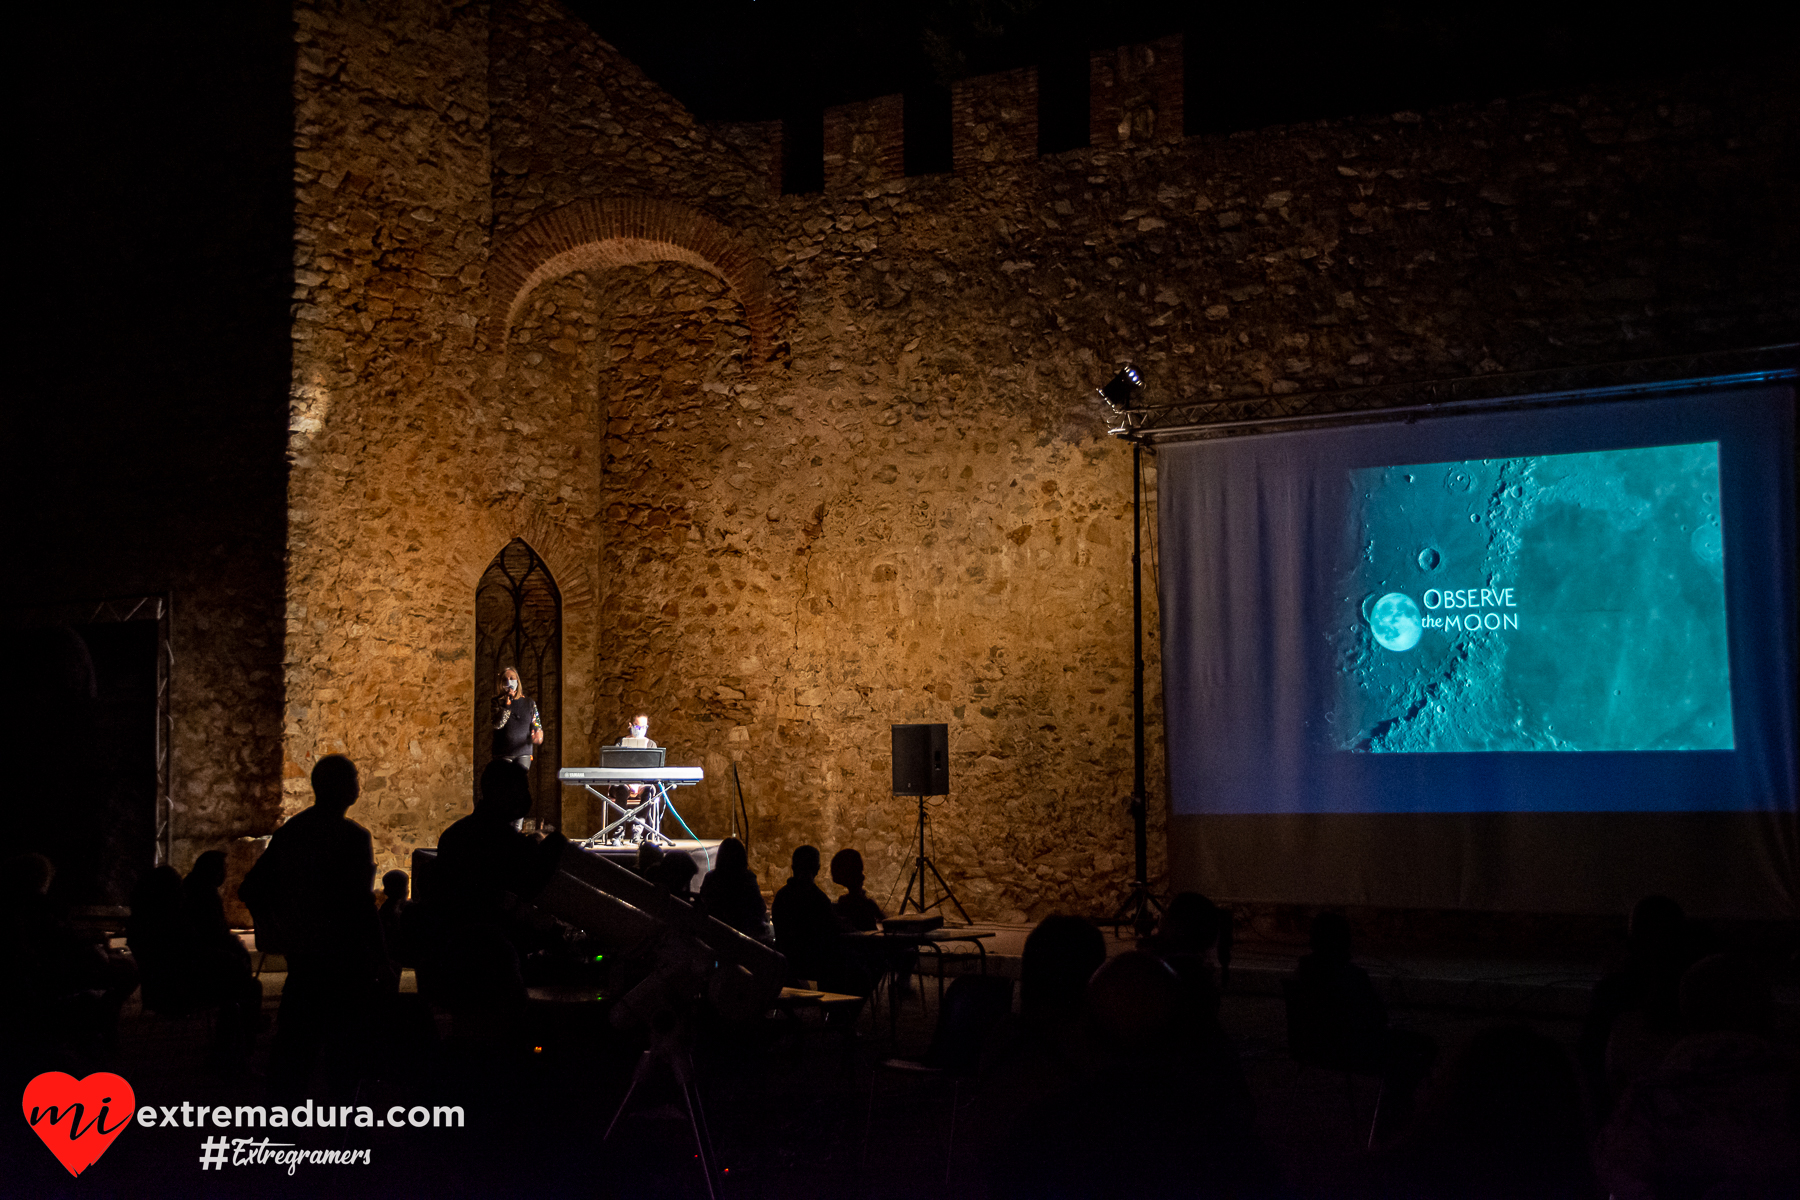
(155, 146)
(1250, 65)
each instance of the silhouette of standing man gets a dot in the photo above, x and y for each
(311, 895)
(517, 729)
(485, 870)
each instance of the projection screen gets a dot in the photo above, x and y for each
(1540, 659)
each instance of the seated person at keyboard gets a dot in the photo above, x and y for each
(637, 739)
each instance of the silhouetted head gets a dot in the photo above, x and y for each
(847, 869)
(157, 896)
(209, 871)
(1727, 991)
(806, 862)
(649, 857)
(1135, 1000)
(334, 783)
(505, 790)
(1190, 926)
(1060, 955)
(1331, 935)
(61, 667)
(394, 885)
(676, 871)
(1658, 928)
(26, 876)
(1507, 1100)
(731, 856)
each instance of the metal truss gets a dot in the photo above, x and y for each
(114, 609)
(1192, 420)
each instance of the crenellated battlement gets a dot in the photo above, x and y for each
(1134, 98)
(1135, 94)
(994, 119)
(865, 143)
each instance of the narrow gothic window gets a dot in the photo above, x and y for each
(518, 623)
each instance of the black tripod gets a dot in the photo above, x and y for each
(1141, 907)
(673, 1046)
(923, 865)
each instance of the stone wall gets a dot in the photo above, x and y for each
(993, 119)
(865, 143)
(1135, 94)
(791, 569)
(406, 475)
(830, 462)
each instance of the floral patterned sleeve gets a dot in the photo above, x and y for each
(537, 726)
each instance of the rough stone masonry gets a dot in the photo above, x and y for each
(804, 466)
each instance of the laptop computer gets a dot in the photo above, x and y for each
(631, 758)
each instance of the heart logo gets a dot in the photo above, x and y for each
(78, 1118)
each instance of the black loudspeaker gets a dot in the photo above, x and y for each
(921, 760)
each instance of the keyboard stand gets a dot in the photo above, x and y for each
(646, 815)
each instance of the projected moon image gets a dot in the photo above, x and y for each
(1395, 622)
(1559, 603)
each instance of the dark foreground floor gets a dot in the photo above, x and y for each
(788, 1117)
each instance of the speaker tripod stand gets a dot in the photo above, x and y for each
(921, 868)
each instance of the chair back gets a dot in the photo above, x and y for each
(1306, 1038)
(973, 1006)
(1319, 1032)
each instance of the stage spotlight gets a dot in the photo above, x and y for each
(1121, 391)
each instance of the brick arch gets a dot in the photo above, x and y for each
(591, 234)
(528, 519)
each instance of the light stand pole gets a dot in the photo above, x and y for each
(1142, 906)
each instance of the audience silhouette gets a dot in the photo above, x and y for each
(1719, 1114)
(485, 870)
(855, 910)
(649, 858)
(808, 935)
(161, 941)
(1116, 1045)
(396, 923)
(310, 894)
(674, 872)
(1032, 1074)
(60, 993)
(730, 892)
(1193, 1126)
(1061, 954)
(1192, 938)
(217, 966)
(1678, 1060)
(1502, 1118)
(1635, 1014)
(1344, 1022)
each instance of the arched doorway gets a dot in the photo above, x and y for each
(518, 623)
